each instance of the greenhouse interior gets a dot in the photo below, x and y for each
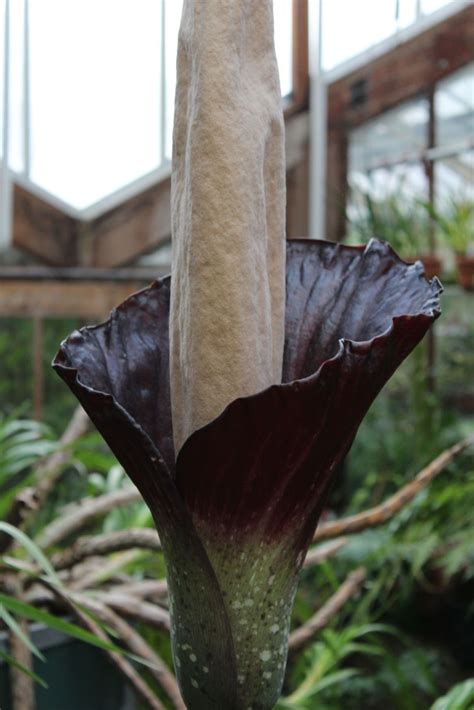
(248, 494)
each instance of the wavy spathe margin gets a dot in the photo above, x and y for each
(238, 509)
(290, 438)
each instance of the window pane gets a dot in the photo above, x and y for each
(96, 91)
(454, 179)
(95, 97)
(454, 107)
(428, 6)
(392, 137)
(283, 18)
(2, 68)
(15, 107)
(347, 31)
(172, 19)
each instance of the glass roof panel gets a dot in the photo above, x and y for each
(454, 107)
(95, 107)
(350, 28)
(392, 137)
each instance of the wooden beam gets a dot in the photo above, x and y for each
(89, 300)
(80, 273)
(42, 230)
(405, 72)
(300, 96)
(408, 71)
(137, 226)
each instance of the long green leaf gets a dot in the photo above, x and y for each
(13, 662)
(30, 612)
(33, 549)
(460, 697)
(18, 631)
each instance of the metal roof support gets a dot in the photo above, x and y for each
(318, 124)
(6, 189)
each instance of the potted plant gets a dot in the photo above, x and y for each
(456, 226)
(400, 222)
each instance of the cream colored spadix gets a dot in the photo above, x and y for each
(228, 211)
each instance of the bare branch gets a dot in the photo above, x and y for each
(21, 686)
(138, 646)
(29, 500)
(385, 511)
(317, 555)
(136, 609)
(104, 571)
(143, 691)
(145, 538)
(305, 633)
(76, 516)
(48, 471)
(146, 589)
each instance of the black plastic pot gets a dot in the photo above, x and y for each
(79, 676)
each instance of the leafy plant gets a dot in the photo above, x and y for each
(460, 697)
(324, 662)
(22, 443)
(456, 223)
(10, 606)
(400, 221)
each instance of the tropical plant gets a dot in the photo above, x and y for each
(397, 219)
(455, 223)
(23, 442)
(324, 664)
(460, 697)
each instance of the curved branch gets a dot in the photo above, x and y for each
(138, 646)
(317, 555)
(136, 609)
(29, 500)
(78, 515)
(385, 511)
(305, 633)
(146, 538)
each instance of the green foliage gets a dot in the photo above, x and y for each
(11, 608)
(461, 697)
(22, 444)
(394, 218)
(455, 223)
(321, 667)
(135, 515)
(16, 382)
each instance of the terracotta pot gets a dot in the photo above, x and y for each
(432, 264)
(465, 266)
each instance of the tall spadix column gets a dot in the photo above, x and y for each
(228, 211)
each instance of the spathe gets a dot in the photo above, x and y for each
(238, 509)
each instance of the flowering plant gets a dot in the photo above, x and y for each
(237, 509)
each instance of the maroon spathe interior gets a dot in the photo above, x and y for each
(267, 460)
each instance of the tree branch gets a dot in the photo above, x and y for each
(136, 609)
(143, 691)
(317, 555)
(29, 500)
(305, 633)
(145, 538)
(385, 511)
(138, 646)
(76, 516)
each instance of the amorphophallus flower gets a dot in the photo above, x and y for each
(267, 386)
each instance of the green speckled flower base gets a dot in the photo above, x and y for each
(258, 584)
(237, 508)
